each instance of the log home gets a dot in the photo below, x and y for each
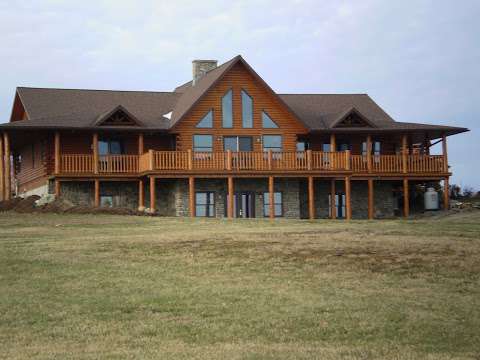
(221, 145)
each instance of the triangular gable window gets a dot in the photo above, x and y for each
(206, 121)
(353, 119)
(267, 122)
(118, 117)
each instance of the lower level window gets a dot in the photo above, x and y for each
(205, 204)
(277, 204)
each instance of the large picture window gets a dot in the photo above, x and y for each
(227, 109)
(247, 110)
(202, 143)
(277, 204)
(205, 204)
(272, 142)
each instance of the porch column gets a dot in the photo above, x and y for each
(95, 152)
(191, 195)
(97, 193)
(446, 194)
(369, 153)
(444, 153)
(333, 193)
(230, 197)
(406, 198)
(57, 153)
(348, 198)
(404, 153)
(57, 188)
(371, 206)
(2, 171)
(152, 194)
(311, 198)
(271, 197)
(141, 194)
(333, 148)
(7, 168)
(140, 144)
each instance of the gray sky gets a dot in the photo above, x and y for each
(420, 60)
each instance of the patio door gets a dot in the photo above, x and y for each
(237, 143)
(339, 205)
(244, 204)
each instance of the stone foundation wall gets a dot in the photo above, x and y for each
(172, 195)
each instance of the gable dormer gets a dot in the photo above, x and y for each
(118, 116)
(352, 118)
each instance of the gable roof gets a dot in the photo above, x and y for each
(82, 109)
(119, 108)
(343, 115)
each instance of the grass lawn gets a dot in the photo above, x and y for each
(115, 287)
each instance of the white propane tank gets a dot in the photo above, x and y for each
(431, 199)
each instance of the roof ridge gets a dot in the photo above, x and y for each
(104, 90)
(332, 94)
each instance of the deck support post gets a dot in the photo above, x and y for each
(271, 197)
(141, 147)
(57, 152)
(57, 188)
(446, 194)
(97, 193)
(311, 198)
(95, 152)
(369, 153)
(404, 153)
(371, 205)
(230, 197)
(348, 198)
(406, 198)
(444, 153)
(141, 195)
(229, 160)
(7, 167)
(152, 194)
(191, 195)
(333, 194)
(2, 171)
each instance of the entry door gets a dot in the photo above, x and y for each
(244, 205)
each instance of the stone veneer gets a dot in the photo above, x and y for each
(172, 195)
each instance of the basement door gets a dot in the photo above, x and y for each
(244, 204)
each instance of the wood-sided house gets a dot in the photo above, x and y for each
(224, 144)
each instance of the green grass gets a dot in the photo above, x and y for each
(116, 287)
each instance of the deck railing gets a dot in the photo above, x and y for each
(304, 161)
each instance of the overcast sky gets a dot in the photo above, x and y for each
(420, 60)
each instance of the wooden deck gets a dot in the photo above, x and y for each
(225, 163)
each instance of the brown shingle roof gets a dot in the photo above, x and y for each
(69, 108)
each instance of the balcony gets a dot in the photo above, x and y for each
(222, 163)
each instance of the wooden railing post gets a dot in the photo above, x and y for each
(7, 169)
(95, 153)
(369, 153)
(140, 144)
(229, 160)
(151, 162)
(270, 160)
(309, 159)
(347, 160)
(444, 153)
(57, 153)
(404, 154)
(190, 159)
(333, 151)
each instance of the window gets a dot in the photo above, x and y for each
(302, 145)
(277, 204)
(206, 121)
(272, 142)
(267, 121)
(326, 147)
(227, 110)
(344, 146)
(202, 143)
(247, 110)
(106, 201)
(205, 204)
(237, 143)
(110, 147)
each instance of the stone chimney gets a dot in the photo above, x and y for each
(200, 68)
